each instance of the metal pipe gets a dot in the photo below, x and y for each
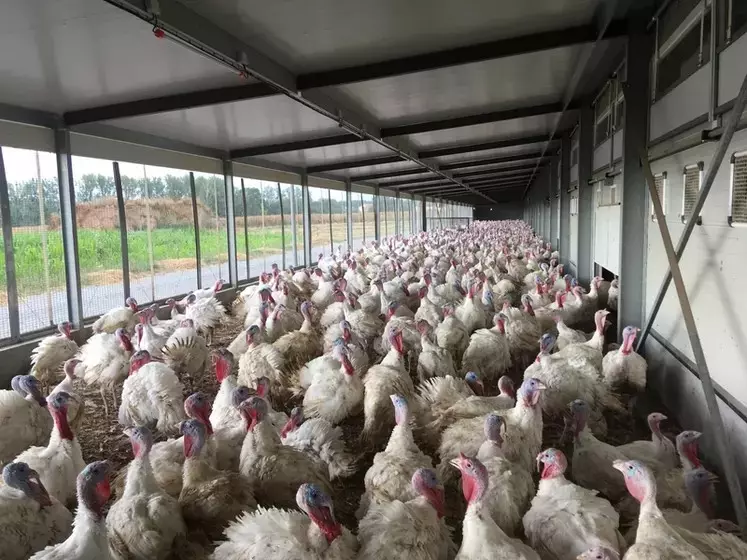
(196, 218)
(44, 242)
(377, 216)
(123, 242)
(719, 432)
(710, 176)
(10, 263)
(306, 218)
(660, 10)
(329, 215)
(349, 212)
(151, 264)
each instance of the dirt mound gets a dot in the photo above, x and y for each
(164, 212)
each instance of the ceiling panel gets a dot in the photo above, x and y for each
(322, 34)
(514, 128)
(73, 54)
(503, 152)
(462, 90)
(236, 125)
(330, 154)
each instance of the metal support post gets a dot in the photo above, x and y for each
(554, 202)
(718, 431)
(246, 230)
(423, 215)
(565, 198)
(329, 217)
(294, 224)
(718, 156)
(349, 212)
(123, 244)
(10, 263)
(282, 224)
(377, 215)
(233, 277)
(306, 218)
(585, 192)
(396, 214)
(196, 218)
(633, 215)
(69, 227)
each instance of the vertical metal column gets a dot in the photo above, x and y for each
(233, 277)
(396, 214)
(123, 244)
(246, 230)
(282, 224)
(633, 215)
(294, 224)
(349, 212)
(196, 218)
(423, 214)
(585, 191)
(10, 262)
(719, 433)
(329, 217)
(69, 227)
(306, 218)
(552, 205)
(565, 198)
(377, 225)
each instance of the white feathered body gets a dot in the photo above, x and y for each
(103, 361)
(48, 357)
(185, 351)
(487, 354)
(23, 423)
(619, 368)
(153, 394)
(324, 442)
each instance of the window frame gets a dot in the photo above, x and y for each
(730, 217)
(699, 166)
(663, 195)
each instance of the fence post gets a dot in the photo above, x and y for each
(123, 242)
(69, 227)
(10, 264)
(233, 277)
(196, 218)
(329, 216)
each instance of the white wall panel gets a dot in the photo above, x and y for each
(713, 267)
(601, 155)
(684, 103)
(732, 69)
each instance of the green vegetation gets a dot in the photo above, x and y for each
(99, 251)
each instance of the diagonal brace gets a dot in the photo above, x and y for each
(719, 433)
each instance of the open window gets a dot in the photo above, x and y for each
(660, 182)
(738, 190)
(692, 180)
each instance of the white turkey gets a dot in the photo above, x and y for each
(625, 366)
(488, 352)
(118, 318)
(24, 418)
(105, 361)
(49, 355)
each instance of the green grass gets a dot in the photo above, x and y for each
(100, 250)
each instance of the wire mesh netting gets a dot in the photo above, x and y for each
(321, 238)
(160, 231)
(286, 195)
(364, 219)
(739, 190)
(242, 229)
(211, 194)
(34, 197)
(99, 248)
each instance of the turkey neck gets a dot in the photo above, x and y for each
(393, 359)
(401, 440)
(263, 439)
(489, 450)
(548, 486)
(197, 470)
(140, 478)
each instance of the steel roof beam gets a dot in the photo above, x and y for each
(468, 177)
(178, 23)
(447, 166)
(478, 188)
(501, 48)
(415, 128)
(498, 188)
(340, 165)
(430, 61)
(491, 145)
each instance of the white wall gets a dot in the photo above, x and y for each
(714, 268)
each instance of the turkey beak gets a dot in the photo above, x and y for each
(40, 492)
(541, 386)
(712, 477)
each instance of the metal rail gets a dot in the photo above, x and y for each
(123, 242)
(719, 433)
(718, 156)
